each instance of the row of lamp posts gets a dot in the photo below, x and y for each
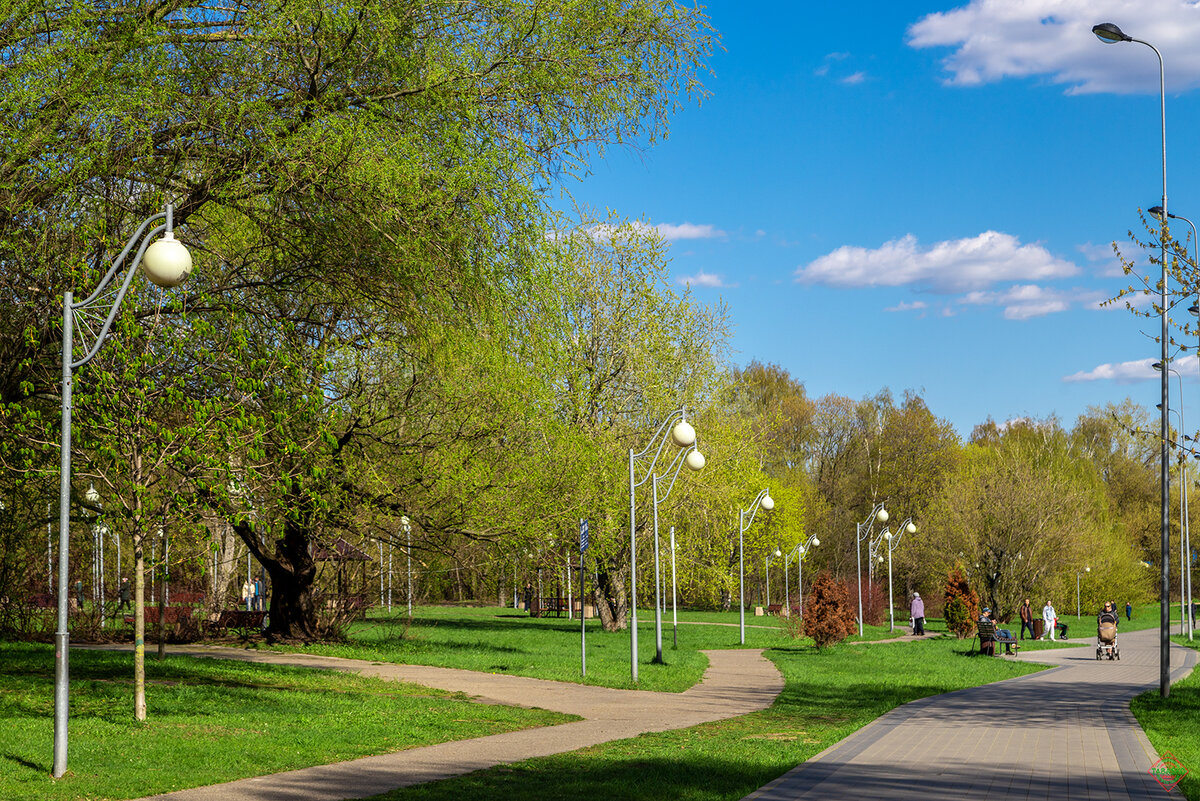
(1110, 33)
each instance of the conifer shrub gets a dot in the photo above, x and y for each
(830, 612)
(961, 604)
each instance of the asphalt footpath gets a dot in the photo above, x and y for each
(737, 682)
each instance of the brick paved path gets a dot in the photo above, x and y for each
(1065, 733)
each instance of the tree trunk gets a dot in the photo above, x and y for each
(292, 613)
(612, 601)
(139, 628)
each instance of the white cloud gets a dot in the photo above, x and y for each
(905, 306)
(1135, 371)
(857, 77)
(672, 232)
(951, 266)
(995, 39)
(702, 279)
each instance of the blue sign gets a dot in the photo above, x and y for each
(583, 534)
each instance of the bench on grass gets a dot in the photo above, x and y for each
(988, 638)
(775, 609)
(544, 606)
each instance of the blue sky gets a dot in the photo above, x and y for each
(924, 195)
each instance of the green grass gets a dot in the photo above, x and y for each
(828, 696)
(1173, 724)
(211, 721)
(500, 640)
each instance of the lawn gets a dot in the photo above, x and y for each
(501, 640)
(1173, 725)
(211, 721)
(828, 696)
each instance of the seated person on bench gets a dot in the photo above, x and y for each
(986, 617)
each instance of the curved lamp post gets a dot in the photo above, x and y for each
(761, 501)
(1110, 33)
(679, 431)
(1078, 573)
(862, 532)
(694, 459)
(907, 527)
(801, 551)
(1184, 618)
(166, 263)
(767, 569)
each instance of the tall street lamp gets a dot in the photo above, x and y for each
(1079, 573)
(767, 569)
(166, 263)
(761, 501)
(679, 431)
(801, 551)
(1184, 527)
(694, 459)
(863, 531)
(907, 527)
(1110, 33)
(407, 526)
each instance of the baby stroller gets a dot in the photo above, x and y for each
(1106, 636)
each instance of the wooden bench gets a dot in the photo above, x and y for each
(774, 609)
(240, 620)
(988, 637)
(544, 606)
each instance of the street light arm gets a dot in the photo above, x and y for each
(752, 510)
(864, 529)
(895, 540)
(673, 470)
(661, 435)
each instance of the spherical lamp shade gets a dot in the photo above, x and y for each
(778, 552)
(683, 434)
(911, 528)
(882, 517)
(887, 535)
(767, 503)
(816, 542)
(695, 460)
(167, 262)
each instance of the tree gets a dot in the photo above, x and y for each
(830, 615)
(960, 603)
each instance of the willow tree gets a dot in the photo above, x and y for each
(346, 175)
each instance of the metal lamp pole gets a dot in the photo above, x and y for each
(863, 531)
(1079, 573)
(674, 618)
(767, 568)
(1184, 618)
(683, 435)
(407, 526)
(804, 549)
(907, 527)
(764, 501)
(166, 263)
(694, 459)
(1107, 32)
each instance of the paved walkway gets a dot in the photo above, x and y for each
(736, 683)
(1065, 733)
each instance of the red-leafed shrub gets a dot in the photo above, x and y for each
(830, 614)
(961, 606)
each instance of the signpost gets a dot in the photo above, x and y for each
(583, 544)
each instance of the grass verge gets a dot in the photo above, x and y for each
(211, 721)
(1173, 725)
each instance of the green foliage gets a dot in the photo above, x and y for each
(829, 614)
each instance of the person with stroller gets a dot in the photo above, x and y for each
(1106, 631)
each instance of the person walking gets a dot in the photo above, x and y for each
(917, 610)
(1128, 611)
(1026, 613)
(1049, 619)
(124, 593)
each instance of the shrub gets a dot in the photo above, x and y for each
(961, 606)
(830, 613)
